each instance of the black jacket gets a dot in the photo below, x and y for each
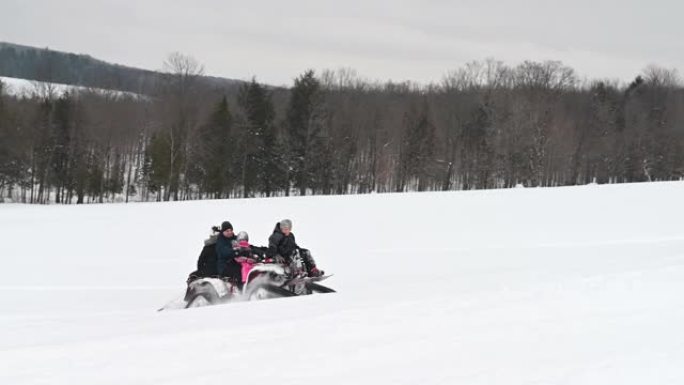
(225, 252)
(206, 263)
(279, 244)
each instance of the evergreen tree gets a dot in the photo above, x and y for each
(417, 148)
(42, 146)
(262, 153)
(13, 161)
(157, 167)
(213, 153)
(304, 123)
(61, 134)
(477, 155)
(94, 184)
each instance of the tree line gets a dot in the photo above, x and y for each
(485, 125)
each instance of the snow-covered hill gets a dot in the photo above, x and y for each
(28, 88)
(577, 285)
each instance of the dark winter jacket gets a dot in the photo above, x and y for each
(259, 250)
(206, 263)
(224, 252)
(279, 244)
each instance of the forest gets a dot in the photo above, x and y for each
(484, 125)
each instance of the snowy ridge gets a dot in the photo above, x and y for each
(576, 285)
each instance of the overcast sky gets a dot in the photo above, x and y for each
(276, 40)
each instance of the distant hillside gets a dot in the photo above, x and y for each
(43, 64)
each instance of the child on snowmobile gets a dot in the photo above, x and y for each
(281, 246)
(246, 256)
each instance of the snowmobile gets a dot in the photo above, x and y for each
(261, 279)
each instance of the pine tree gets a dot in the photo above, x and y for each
(13, 162)
(61, 133)
(213, 153)
(417, 148)
(261, 151)
(476, 153)
(304, 123)
(157, 167)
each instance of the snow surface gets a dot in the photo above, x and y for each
(576, 285)
(28, 88)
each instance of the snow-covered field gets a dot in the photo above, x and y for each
(577, 285)
(28, 88)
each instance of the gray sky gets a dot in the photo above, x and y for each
(276, 40)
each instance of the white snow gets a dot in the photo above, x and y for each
(29, 88)
(576, 285)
